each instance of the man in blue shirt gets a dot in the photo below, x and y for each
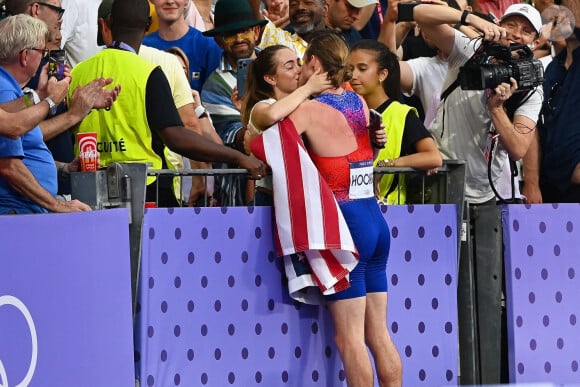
(202, 52)
(28, 174)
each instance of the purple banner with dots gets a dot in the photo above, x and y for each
(65, 300)
(214, 309)
(542, 262)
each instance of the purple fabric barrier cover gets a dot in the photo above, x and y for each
(214, 309)
(65, 300)
(542, 260)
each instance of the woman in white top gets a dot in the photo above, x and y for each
(272, 94)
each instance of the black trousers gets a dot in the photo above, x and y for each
(552, 194)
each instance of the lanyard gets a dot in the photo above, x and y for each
(380, 12)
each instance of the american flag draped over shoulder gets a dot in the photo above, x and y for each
(308, 220)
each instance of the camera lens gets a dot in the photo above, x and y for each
(493, 75)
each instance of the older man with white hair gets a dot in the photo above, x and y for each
(28, 174)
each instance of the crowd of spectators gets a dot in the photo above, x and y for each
(489, 129)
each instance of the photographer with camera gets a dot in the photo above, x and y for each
(499, 119)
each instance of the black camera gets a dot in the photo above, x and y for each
(493, 64)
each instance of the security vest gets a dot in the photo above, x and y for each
(123, 133)
(394, 118)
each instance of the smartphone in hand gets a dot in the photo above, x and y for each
(375, 120)
(56, 61)
(243, 65)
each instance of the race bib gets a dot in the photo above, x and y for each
(361, 180)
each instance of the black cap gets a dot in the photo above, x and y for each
(130, 14)
(104, 12)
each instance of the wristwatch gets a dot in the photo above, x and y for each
(200, 112)
(51, 106)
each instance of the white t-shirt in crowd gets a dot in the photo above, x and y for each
(428, 76)
(79, 29)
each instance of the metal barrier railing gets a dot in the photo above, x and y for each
(446, 186)
(181, 174)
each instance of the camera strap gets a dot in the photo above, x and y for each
(456, 83)
(450, 90)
